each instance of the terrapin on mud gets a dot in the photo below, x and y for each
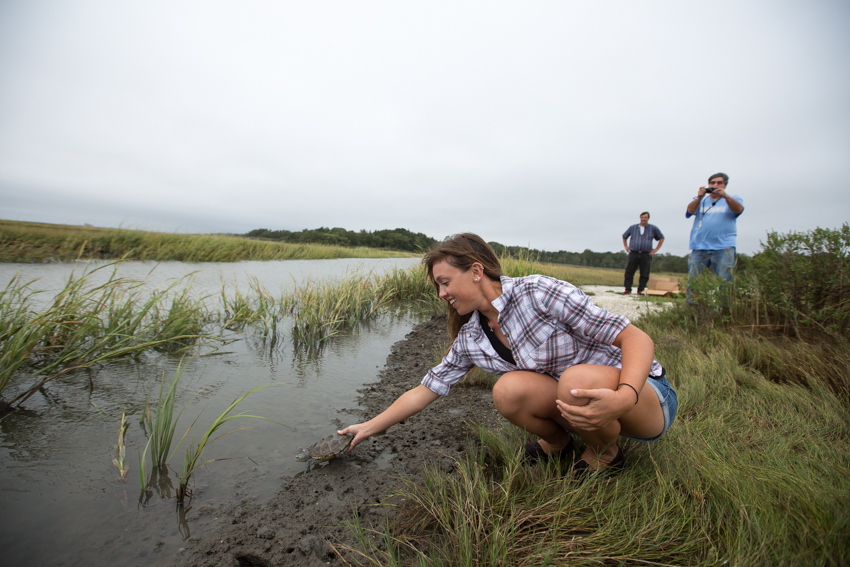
(326, 448)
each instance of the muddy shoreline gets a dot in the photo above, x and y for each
(303, 524)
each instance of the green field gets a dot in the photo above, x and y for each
(38, 242)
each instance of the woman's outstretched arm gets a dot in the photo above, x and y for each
(408, 404)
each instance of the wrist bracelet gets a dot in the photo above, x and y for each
(633, 388)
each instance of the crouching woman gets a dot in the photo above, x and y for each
(566, 366)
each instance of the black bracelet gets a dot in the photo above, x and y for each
(633, 388)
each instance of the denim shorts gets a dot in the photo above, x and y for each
(669, 404)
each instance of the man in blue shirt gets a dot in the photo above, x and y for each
(640, 250)
(713, 235)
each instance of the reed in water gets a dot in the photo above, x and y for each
(87, 324)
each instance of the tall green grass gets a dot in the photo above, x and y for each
(35, 242)
(161, 425)
(194, 452)
(753, 472)
(321, 310)
(86, 324)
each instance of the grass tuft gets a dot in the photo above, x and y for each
(192, 460)
(87, 324)
(161, 424)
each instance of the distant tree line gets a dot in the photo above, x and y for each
(397, 239)
(660, 263)
(403, 239)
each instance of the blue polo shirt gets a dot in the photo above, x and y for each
(715, 226)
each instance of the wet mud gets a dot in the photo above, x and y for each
(304, 523)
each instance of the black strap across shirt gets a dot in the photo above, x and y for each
(503, 351)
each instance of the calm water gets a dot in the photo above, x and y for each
(206, 278)
(61, 499)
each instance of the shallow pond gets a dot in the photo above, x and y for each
(62, 499)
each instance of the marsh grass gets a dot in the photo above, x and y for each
(194, 453)
(236, 311)
(410, 286)
(161, 423)
(37, 242)
(715, 492)
(320, 310)
(753, 472)
(160, 426)
(87, 324)
(16, 337)
(257, 307)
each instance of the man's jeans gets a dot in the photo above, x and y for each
(721, 262)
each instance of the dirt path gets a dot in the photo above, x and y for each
(612, 299)
(301, 522)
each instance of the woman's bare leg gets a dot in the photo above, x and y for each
(645, 420)
(527, 399)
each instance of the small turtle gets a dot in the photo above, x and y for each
(326, 448)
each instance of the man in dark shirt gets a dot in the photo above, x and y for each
(640, 250)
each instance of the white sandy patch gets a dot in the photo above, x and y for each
(613, 300)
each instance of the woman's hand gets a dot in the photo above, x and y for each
(604, 406)
(409, 403)
(360, 432)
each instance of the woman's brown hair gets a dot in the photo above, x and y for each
(461, 251)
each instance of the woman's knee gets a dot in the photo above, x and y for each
(522, 392)
(586, 377)
(507, 392)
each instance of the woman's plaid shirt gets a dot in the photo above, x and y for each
(551, 325)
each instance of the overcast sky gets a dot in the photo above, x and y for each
(544, 123)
